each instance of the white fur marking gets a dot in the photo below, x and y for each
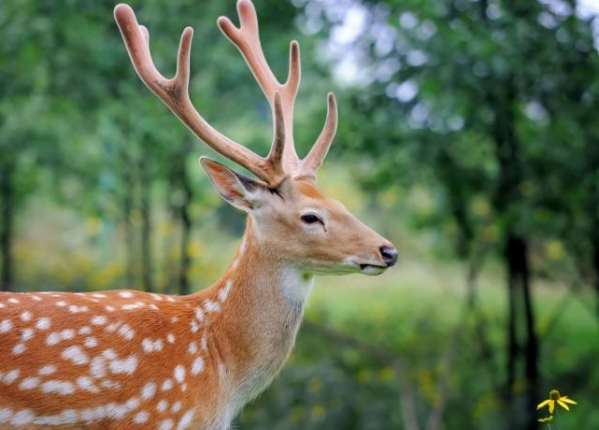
(197, 366)
(148, 391)
(141, 417)
(47, 370)
(75, 354)
(43, 324)
(185, 421)
(99, 320)
(61, 387)
(224, 292)
(166, 425)
(127, 365)
(162, 405)
(5, 326)
(29, 383)
(19, 348)
(167, 385)
(179, 374)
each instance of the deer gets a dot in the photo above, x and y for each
(126, 359)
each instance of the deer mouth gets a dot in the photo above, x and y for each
(372, 269)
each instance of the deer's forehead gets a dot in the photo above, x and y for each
(308, 189)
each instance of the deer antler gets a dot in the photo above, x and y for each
(282, 158)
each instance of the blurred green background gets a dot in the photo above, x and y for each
(468, 135)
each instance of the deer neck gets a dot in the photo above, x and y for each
(261, 299)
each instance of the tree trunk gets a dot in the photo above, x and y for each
(147, 266)
(186, 227)
(181, 208)
(7, 203)
(519, 282)
(593, 209)
(505, 199)
(128, 198)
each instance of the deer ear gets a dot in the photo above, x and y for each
(239, 190)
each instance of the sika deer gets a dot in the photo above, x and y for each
(131, 360)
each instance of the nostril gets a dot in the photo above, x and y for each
(389, 255)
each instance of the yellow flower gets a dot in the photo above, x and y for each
(546, 419)
(556, 397)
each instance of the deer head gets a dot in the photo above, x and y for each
(288, 215)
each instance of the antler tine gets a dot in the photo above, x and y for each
(175, 93)
(317, 154)
(247, 39)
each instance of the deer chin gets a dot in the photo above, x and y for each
(366, 268)
(372, 269)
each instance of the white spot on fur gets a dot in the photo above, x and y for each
(224, 292)
(148, 391)
(99, 320)
(15, 301)
(61, 304)
(22, 418)
(176, 407)
(5, 326)
(60, 387)
(211, 306)
(75, 354)
(162, 405)
(170, 338)
(29, 383)
(56, 337)
(107, 383)
(111, 328)
(197, 366)
(127, 365)
(87, 384)
(78, 309)
(156, 297)
(149, 345)
(11, 376)
(179, 374)
(167, 384)
(18, 349)
(26, 316)
(126, 294)
(85, 330)
(26, 334)
(193, 348)
(97, 367)
(166, 425)
(47, 370)
(141, 417)
(90, 342)
(43, 324)
(126, 331)
(5, 415)
(109, 354)
(185, 421)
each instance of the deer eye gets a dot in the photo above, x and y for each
(310, 218)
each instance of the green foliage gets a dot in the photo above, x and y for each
(472, 123)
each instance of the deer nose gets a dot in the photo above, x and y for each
(389, 255)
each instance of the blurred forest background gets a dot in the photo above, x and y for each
(468, 134)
